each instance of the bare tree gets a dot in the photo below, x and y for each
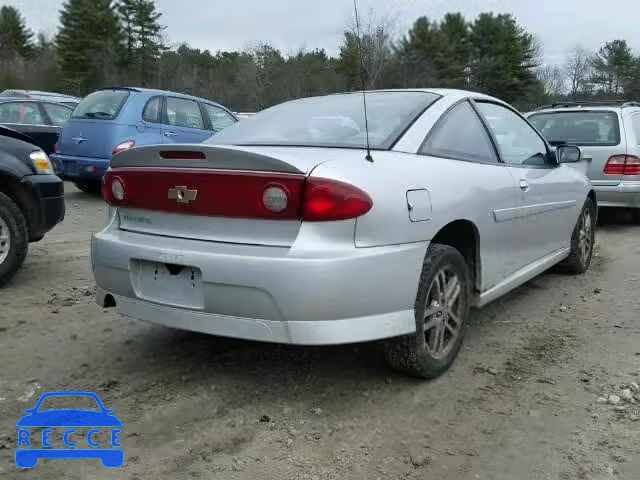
(578, 68)
(553, 80)
(376, 34)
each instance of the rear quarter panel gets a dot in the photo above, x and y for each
(457, 190)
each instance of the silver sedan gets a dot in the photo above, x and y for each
(285, 228)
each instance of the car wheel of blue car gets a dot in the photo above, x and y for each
(89, 187)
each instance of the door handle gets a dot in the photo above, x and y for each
(169, 134)
(524, 185)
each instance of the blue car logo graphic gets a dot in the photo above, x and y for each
(28, 452)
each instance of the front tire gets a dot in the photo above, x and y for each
(92, 188)
(442, 313)
(14, 239)
(582, 241)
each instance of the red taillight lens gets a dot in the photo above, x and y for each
(56, 148)
(185, 155)
(622, 165)
(122, 147)
(327, 200)
(632, 166)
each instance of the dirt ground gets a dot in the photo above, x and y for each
(520, 403)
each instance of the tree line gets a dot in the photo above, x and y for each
(123, 42)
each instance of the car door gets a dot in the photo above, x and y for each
(481, 186)
(150, 126)
(184, 122)
(547, 192)
(27, 117)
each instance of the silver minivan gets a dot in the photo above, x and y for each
(609, 135)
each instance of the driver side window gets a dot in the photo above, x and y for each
(518, 142)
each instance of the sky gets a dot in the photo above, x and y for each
(289, 25)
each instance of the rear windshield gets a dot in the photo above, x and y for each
(330, 121)
(101, 105)
(578, 128)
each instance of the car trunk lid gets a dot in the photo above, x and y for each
(214, 193)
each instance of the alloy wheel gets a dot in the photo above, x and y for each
(5, 240)
(443, 319)
(585, 236)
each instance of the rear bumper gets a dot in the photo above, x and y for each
(79, 168)
(269, 294)
(625, 194)
(48, 192)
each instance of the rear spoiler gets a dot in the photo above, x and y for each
(206, 156)
(11, 133)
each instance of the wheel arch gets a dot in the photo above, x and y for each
(463, 235)
(592, 195)
(16, 191)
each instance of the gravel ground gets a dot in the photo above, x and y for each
(532, 395)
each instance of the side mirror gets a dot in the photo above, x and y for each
(568, 154)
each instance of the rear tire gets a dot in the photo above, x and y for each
(582, 241)
(442, 313)
(14, 239)
(92, 188)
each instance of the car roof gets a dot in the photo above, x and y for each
(589, 108)
(34, 100)
(153, 91)
(15, 92)
(443, 92)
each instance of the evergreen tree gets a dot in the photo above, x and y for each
(613, 66)
(504, 59)
(89, 44)
(15, 37)
(143, 39)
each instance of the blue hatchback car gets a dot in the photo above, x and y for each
(110, 120)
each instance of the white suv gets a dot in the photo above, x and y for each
(609, 136)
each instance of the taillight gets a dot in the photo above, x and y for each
(122, 147)
(622, 165)
(275, 198)
(233, 194)
(326, 200)
(113, 189)
(56, 148)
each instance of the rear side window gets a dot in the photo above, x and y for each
(597, 128)
(218, 117)
(449, 140)
(101, 105)
(25, 113)
(58, 114)
(183, 112)
(151, 112)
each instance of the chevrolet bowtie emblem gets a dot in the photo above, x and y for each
(182, 194)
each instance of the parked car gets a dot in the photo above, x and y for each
(31, 199)
(68, 100)
(609, 135)
(111, 120)
(41, 120)
(284, 229)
